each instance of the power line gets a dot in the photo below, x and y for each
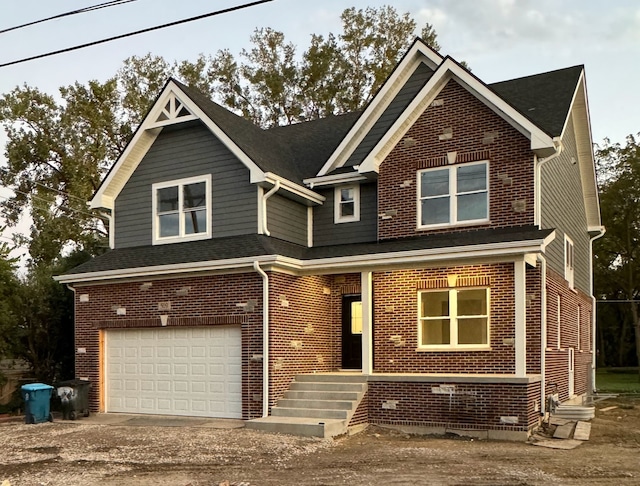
(143, 31)
(112, 3)
(63, 193)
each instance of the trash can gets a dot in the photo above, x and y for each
(37, 403)
(74, 395)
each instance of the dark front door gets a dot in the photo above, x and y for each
(351, 332)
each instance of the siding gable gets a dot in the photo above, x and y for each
(562, 208)
(181, 151)
(287, 219)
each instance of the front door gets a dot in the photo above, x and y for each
(351, 332)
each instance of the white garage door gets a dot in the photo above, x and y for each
(175, 371)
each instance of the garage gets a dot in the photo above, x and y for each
(174, 371)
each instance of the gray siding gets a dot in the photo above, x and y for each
(187, 151)
(405, 96)
(562, 208)
(287, 219)
(326, 232)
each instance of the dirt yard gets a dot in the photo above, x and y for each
(77, 453)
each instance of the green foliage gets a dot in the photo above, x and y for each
(617, 254)
(9, 289)
(618, 380)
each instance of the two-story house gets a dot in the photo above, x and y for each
(425, 262)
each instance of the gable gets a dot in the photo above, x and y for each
(266, 159)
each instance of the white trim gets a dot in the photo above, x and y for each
(263, 207)
(337, 204)
(449, 69)
(453, 196)
(520, 311)
(559, 321)
(366, 296)
(265, 337)
(260, 194)
(453, 316)
(418, 52)
(293, 188)
(499, 251)
(332, 179)
(181, 237)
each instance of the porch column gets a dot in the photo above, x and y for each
(367, 322)
(521, 317)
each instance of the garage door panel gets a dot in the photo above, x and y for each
(175, 371)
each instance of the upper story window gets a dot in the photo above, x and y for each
(347, 204)
(568, 261)
(454, 318)
(453, 195)
(182, 210)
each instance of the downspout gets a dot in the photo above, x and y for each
(543, 333)
(265, 338)
(266, 196)
(593, 310)
(112, 234)
(538, 181)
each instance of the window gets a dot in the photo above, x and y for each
(347, 204)
(568, 260)
(453, 195)
(182, 210)
(456, 318)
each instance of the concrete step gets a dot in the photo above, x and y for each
(326, 386)
(309, 412)
(321, 395)
(301, 426)
(326, 404)
(333, 377)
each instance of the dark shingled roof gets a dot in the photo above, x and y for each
(260, 245)
(545, 98)
(298, 151)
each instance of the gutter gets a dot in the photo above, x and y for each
(601, 233)
(543, 333)
(263, 208)
(538, 180)
(265, 338)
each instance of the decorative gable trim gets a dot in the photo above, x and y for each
(172, 101)
(418, 53)
(541, 142)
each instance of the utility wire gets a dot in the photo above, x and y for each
(63, 193)
(143, 31)
(112, 3)
(61, 206)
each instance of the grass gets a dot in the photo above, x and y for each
(618, 380)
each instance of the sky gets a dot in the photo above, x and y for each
(499, 39)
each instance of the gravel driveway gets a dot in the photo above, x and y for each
(89, 453)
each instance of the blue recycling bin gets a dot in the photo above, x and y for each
(37, 403)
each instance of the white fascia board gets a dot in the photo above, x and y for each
(449, 69)
(293, 188)
(144, 137)
(333, 179)
(174, 269)
(418, 53)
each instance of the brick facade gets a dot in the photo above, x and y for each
(195, 301)
(478, 134)
(574, 306)
(396, 312)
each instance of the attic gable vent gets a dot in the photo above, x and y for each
(173, 110)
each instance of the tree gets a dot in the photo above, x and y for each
(617, 262)
(60, 147)
(9, 288)
(44, 332)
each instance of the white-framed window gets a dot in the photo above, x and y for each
(454, 195)
(182, 210)
(568, 260)
(347, 203)
(453, 318)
